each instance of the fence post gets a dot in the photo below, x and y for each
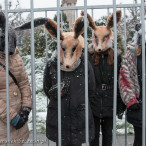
(115, 73)
(7, 73)
(143, 73)
(86, 74)
(58, 72)
(33, 76)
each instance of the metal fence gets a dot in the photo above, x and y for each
(85, 7)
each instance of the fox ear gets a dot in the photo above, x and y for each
(51, 27)
(110, 22)
(91, 21)
(78, 27)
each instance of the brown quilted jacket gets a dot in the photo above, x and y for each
(18, 97)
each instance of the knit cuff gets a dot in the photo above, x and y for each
(15, 120)
(131, 102)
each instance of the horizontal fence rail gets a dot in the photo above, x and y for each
(75, 8)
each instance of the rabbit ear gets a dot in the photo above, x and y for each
(110, 23)
(78, 27)
(2, 21)
(90, 19)
(37, 22)
(51, 27)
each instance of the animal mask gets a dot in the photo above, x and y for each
(71, 43)
(11, 36)
(103, 37)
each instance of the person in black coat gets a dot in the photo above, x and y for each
(101, 56)
(72, 90)
(72, 85)
(133, 98)
(72, 104)
(102, 103)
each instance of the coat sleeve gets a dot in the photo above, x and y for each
(3, 111)
(24, 85)
(47, 83)
(120, 104)
(126, 84)
(91, 82)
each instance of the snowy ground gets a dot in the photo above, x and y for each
(41, 100)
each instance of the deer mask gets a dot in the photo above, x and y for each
(103, 37)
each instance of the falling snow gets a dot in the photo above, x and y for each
(41, 99)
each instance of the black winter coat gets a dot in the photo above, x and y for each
(102, 104)
(72, 104)
(135, 117)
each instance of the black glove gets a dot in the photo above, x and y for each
(134, 107)
(120, 116)
(22, 116)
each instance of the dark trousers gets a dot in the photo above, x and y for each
(106, 129)
(137, 136)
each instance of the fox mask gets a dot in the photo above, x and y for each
(103, 37)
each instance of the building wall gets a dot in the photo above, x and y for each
(69, 13)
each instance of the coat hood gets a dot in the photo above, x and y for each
(11, 36)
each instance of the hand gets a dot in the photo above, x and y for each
(24, 111)
(134, 107)
(20, 119)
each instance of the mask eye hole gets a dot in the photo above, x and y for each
(105, 38)
(63, 49)
(73, 49)
(95, 36)
(96, 39)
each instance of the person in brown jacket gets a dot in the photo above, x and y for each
(19, 91)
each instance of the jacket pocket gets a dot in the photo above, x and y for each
(52, 115)
(80, 121)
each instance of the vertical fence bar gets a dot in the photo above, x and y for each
(92, 13)
(125, 34)
(143, 73)
(126, 128)
(125, 44)
(115, 73)
(76, 14)
(33, 76)
(7, 74)
(86, 74)
(46, 37)
(61, 22)
(58, 73)
(108, 12)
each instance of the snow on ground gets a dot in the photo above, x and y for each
(41, 99)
